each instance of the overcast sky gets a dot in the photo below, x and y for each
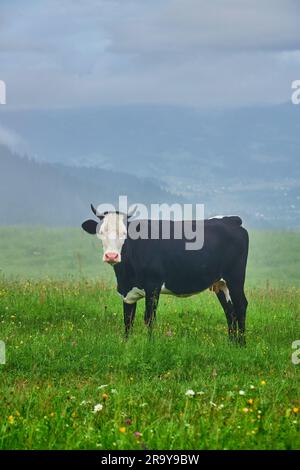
(69, 53)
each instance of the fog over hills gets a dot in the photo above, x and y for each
(54, 194)
(243, 161)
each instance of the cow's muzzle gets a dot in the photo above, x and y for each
(111, 258)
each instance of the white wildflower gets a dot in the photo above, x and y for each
(98, 408)
(190, 393)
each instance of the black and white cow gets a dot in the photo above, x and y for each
(146, 268)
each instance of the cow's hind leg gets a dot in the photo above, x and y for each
(230, 315)
(240, 304)
(129, 314)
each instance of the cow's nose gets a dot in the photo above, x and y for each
(111, 257)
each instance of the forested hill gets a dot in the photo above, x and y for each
(53, 194)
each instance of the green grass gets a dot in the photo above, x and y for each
(64, 340)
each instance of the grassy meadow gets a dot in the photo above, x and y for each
(71, 381)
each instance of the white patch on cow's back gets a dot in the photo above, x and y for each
(221, 216)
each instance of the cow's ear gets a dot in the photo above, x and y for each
(90, 226)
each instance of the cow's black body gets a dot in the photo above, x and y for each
(149, 264)
(158, 262)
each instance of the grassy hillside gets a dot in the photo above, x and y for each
(69, 253)
(66, 354)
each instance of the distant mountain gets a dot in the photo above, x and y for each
(42, 193)
(244, 161)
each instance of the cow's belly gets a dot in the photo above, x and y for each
(136, 294)
(164, 290)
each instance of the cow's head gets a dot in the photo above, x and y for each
(111, 230)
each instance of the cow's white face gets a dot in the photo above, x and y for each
(112, 233)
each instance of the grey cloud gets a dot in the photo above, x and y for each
(233, 25)
(191, 52)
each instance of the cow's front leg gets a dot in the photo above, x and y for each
(152, 297)
(129, 314)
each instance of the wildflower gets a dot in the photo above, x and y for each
(98, 408)
(122, 430)
(128, 422)
(11, 419)
(263, 382)
(104, 396)
(295, 410)
(245, 410)
(52, 414)
(190, 393)
(250, 401)
(252, 387)
(137, 434)
(242, 392)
